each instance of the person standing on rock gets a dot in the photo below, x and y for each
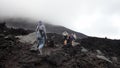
(71, 38)
(41, 36)
(65, 34)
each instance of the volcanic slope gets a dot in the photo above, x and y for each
(90, 53)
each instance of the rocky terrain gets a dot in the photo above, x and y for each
(92, 52)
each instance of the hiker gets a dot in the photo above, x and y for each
(71, 39)
(65, 34)
(41, 36)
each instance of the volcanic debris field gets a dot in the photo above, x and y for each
(92, 52)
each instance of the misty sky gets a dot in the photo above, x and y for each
(99, 18)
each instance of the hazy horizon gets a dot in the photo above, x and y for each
(99, 18)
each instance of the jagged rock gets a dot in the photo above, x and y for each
(30, 38)
(104, 58)
(34, 47)
(56, 59)
(114, 59)
(83, 49)
(75, 43)
(99, 52)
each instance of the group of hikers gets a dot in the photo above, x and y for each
(69, 38)
(41, 37)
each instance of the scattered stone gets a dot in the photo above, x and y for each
(114, 59)
(99, 52)
(104, 58)
(83, 49)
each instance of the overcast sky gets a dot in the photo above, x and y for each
(99, 18)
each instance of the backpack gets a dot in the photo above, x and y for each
(42, 33)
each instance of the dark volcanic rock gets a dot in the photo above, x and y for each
(107, 46)
(14, 54)
(54, 39)
(73, 58)
(56, 59)
(9, 45)
(18, 31)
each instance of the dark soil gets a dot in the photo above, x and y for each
(14, 54)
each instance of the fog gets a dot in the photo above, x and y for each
(99, 18)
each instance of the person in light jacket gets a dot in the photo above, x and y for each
(41, 36)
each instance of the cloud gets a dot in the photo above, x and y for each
(92, 17)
